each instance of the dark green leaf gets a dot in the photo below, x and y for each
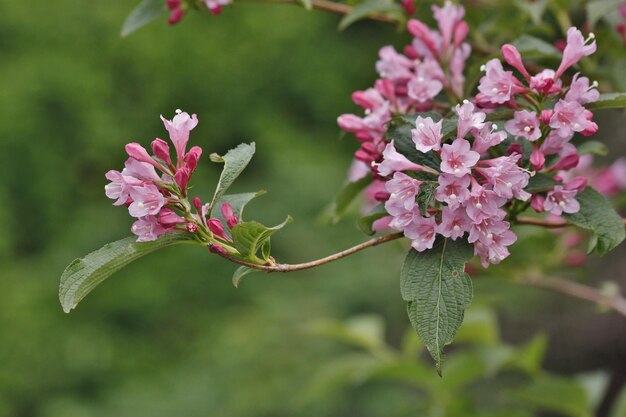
(540, 182)
(144, 13)
(438, 290)
(348, 193)
(598, 216)
(365, 223)
(238, 203)
(241, 272)
(84, 274)
(608, 101)
(531, 47)
(592, 147)
(426, 196)
(248, 237)
(367, 8)
(235, 161)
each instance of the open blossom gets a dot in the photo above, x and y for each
(448, 19)
(393, 65)
(147, 228)
(147, 201)
(120, 186)
(453, 190)
(560, 200)
(427, 134)
(496, 251)
(454, 223)
(498, 85)
(524, 124)
(426, 83)
(422, 232)
(581, 91)
(506, 177)
(577, 47)
(570, 117)
(457, 158)
(483, 203)
(487, 137)
(403, 190)
(468, 119)
(394, 161)
(179, 128)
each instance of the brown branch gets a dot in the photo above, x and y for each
(549, 224)
(278, 267)
(616, 303)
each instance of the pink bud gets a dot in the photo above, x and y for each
(362, 136)
(537, 203)
(422, 32)
(191, 227)
(381, 196)
(227, 212)
(567, 162)
(370, 148)
(576, 183)
(408, 6)
(350, 122)
(363, 99)
(537, 159)
(173, 4)
(410, 52)
(216, 227)
(514, 148)
(576, 258)
(192, 157)
(361, 155)
(161, 150)
(197, 203)
(572, 240)
(175, 16)
(460, 32)
(513, 58)
(182, 177)
(217, 249)
(386, 88)
(168, 218)
(590, 130)
(138, 152)
(545, 116)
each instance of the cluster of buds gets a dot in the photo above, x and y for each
(471, 187)
(177, 8)
(155, 189)
(547, 113)
(409, 82)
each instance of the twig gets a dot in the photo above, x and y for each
(616, 303)
(277, 267)
(549, 224)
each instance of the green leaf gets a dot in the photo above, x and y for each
(238, 203)
(348, 193)
(266, 250)
(365, 9)
(144, 13)
(592, 147)
(535, 9)
(438, 290)
(531, 47)
(426, 196)
(84, 274)
(608, 101)
(596, 10)
(248, 237)
(241, 272)
(540, 182)
(235, 161)
(550, 393)
(366, 222)
(307, 4)
(598, 216)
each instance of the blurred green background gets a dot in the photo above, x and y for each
(169, 335)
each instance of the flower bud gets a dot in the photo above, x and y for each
(537, 203)
(537, 159)
(460, 32)
(216, 227)
(135, 150)
(192, 157)
(567, 162)
(161, 150)
(217, 249)
(382, 196)
(191, 227)
(545, 116)
(197, 203)
(513, 58)
(168, 218)
(182, 177)
(408, 6)
(514, 148)
(577, 183)
(176, 16)
(227, 212)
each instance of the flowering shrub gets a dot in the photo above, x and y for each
(451, 166)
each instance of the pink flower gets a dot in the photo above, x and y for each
(513, 58)
(147, 229)
(498, 85)
(135, 150)
(119, 187)
(524, 124)
(537, 159)
(427, 42)
(168, 218)
(506, 177)
(454, 223)
(570, 117)
(468, 120)
(457, 158)
(496, 251)
(403, 191)
(179, 128)
(161, 150)
(427, 134)
(192, 157)
(577, 47)
(229, 216)
(369, 99)
(425, 84)
(422, 232)
(215, 6)
(147, 201)
(452, 190)
(483, 203)
(581, 91)
(457, 65)
(448, 17)
(394, 161)
(217, 228)
(546, 83)
(560, 201)
(537, 203)
(392, 65)
(140, 170)
(487, 137)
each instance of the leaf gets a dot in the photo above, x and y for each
(549, 393)
(426, 196)
(84, 274)
(531, 47)
(608, 101)
(596, 10)
(365, 9)
(592, 147)
(241, 272)
(598, 216)
(438, 290)
(534, 9)
(348, 193)
(366, 222)
(235, 161)
(307, 4)
(248, 237)
(540, 182)
(237, 201)
(144, 13)
(266, 249)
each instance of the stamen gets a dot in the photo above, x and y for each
(479, 206)
(178, 111)
(452, 196)
(456, 228)
(483, 68)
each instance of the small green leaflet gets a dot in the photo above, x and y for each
(84, 274)
(366, 222)
(426, 196)
(598, 216)
(608, 101)
(241, 272)
(235, 161)
(367, 8)
(250, 236)
(437, 291)
(144, 13)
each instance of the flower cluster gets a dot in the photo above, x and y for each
(177, 8)
(410, 81)
(547, 113)
(469, 192)
(155, 189)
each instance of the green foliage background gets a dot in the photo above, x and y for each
(169, 335)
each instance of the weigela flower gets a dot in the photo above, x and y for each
(427, 134)
(457, 158)
(524, 124)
